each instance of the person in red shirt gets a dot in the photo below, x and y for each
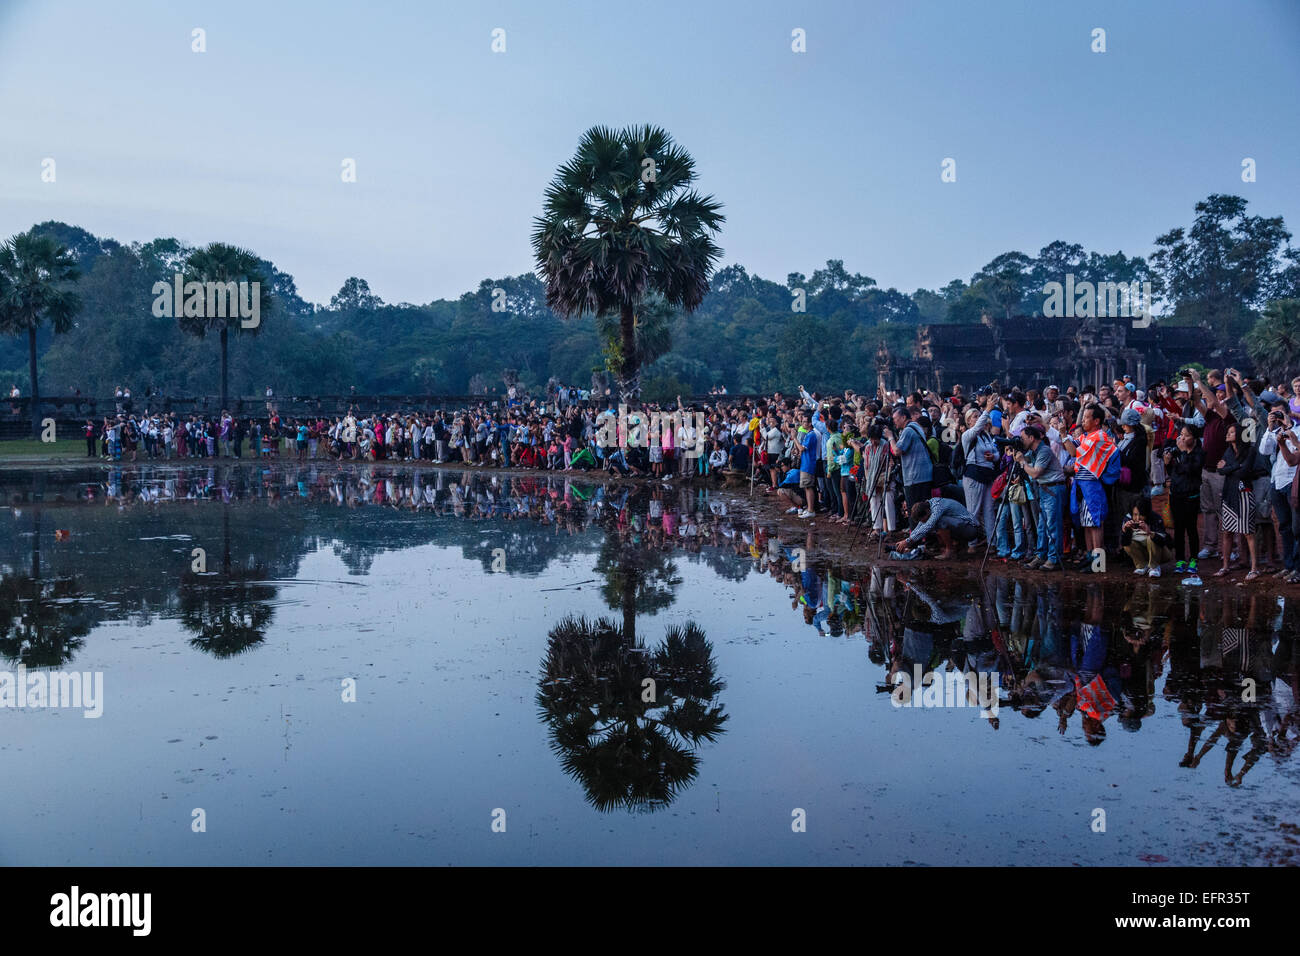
(1091, 451)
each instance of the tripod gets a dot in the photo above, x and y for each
(1017, 471)
(863, 514)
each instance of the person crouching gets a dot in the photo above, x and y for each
(947, 520)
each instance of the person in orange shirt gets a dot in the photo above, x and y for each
(1091, 451)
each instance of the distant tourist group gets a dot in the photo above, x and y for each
(1173, 474)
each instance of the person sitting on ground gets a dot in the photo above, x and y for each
(950, 522)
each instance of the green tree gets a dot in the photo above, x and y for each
(620, 223)
(35, 274)
(219, 262)
(1273, 343)
(355, 296)
(1222, 268)
(1006, 281)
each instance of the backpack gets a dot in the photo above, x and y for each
(957, 462)
(1111, 473)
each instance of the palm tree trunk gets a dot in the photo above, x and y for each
(36, 393)
(628, 384)
(225, 389)
(629, 607)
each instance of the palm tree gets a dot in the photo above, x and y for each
(627, 751)
(620, 223)
(220, 262)
(1274, 341)
(34, 275)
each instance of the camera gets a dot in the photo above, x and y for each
(1014, 444)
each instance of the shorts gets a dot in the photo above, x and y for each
(656, 454)
(1088, 501)
(807, 479)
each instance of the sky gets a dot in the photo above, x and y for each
(835, 152)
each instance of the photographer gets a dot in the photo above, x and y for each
(980, 455)
(1044, 469)
(1279, 435)
(907, 440)
(878, 477)
(947, 520)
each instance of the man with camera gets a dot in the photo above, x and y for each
(947, 520)
(907, 442)
(1281, 435)
(1039, 462)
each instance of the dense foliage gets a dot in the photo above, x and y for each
(745, 334)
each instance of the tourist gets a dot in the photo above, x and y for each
(1239, 467)
(950, 522)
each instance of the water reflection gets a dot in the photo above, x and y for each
(626, 720)
(1094, 657)
(43, 622)
(227, 611)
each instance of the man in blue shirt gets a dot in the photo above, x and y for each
(811, 444)
(908, 443)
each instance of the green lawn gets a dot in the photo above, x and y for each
(34, 448)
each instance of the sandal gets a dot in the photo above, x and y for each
(1252, 575)
(1221, 572)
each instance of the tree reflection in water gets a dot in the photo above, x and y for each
(227, 612)
(630, 744)
(42, 621)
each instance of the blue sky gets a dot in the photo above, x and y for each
(833, 153)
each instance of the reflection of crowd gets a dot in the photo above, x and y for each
(1091, 652)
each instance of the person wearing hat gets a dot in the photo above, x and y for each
(1134, 460)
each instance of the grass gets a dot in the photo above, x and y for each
(34, 448)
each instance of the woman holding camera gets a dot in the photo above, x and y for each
(980, 455)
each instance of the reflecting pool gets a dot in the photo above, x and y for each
(345, 665)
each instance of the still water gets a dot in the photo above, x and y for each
(394, 666)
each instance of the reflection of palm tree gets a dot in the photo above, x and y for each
(638, 579)
(41, 622)
(625, 749)
(226, 617)
(228, 612)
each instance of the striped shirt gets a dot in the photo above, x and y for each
(1094, 450)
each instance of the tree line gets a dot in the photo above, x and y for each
(76, 310)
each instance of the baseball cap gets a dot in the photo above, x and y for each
(1182, 387)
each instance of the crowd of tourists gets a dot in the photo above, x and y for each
(1172, 475)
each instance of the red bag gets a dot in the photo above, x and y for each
(1000, 484)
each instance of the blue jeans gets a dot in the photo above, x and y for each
(1011, 524)
(1051, 507)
